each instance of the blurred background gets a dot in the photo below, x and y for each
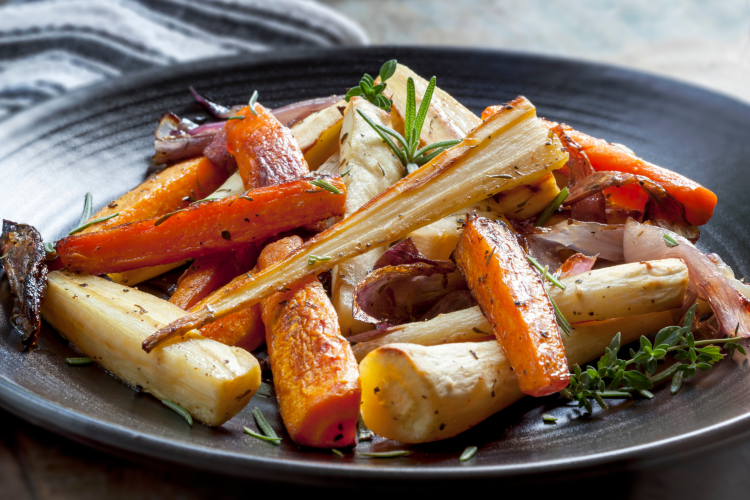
(50, 47)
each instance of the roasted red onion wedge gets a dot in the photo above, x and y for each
(643, 242)
(216, 109)
(662, 209)
(405, 292)
(292, 113)
(588, 238)
(404, 252)
(454, 301)
(592, 208)
(577, 264)
(23, 254)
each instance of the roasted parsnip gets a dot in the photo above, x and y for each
(107, 322)
(511, 295)
(372, 168)
(525, 202)
(315, 373)
(417, 394)
(624, 290)
(507, 150)
(318, 134)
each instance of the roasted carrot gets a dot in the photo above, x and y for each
(241, 329)
(206, 274)
(699, 202)
(266, 151)
(171, 189)
(512, 296)
(204, 228)
(315, 372)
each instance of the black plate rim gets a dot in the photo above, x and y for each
(82, 428)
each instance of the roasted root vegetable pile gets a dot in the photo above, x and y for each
(402, 266)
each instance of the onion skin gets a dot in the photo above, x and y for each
(732, 309)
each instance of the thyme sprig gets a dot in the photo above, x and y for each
(374, 93)
(408, 153)
(611, 379)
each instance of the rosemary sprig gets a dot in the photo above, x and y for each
(408, 154)
(79, 361)
(670, 241)
(468, 453)
(92, 222)
(374, 93)
(179, 410)
(325, 185)
(610, 379)
(552, 207)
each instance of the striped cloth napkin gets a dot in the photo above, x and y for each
(49, 47)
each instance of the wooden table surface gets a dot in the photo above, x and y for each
(705, 43)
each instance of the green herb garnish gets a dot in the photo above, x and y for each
(548, 419)
(312, 259)
(49, 247)
(92, 222)
(325, 185)
(337, 453)
(468, 453)
(179, 410)
(263, 424)
(385, 454)
(552, 207)
(374, 93)
(236, 117)
(539, 268)
(670, 241)
(79, 361)
(610, 379)
(88, 209)
(562, 323)
(276, 441)
(408, 154)
(252, 101)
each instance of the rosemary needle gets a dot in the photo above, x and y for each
(276, 441)
(552, 207)
(549, 419)
(468, 453)
(325, 185)
(79, 361)
(539, 268)
(337, 453)
(179, 410)
(81, 227)
(263, 424)
(670, 241)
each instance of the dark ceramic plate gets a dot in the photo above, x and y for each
(99, 140)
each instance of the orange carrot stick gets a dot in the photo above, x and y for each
(171, 189)
(315, 372)
(208, 273)
(265, 150)
(699, 202)
(241, 329)
(204, 228)
(512, 296)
